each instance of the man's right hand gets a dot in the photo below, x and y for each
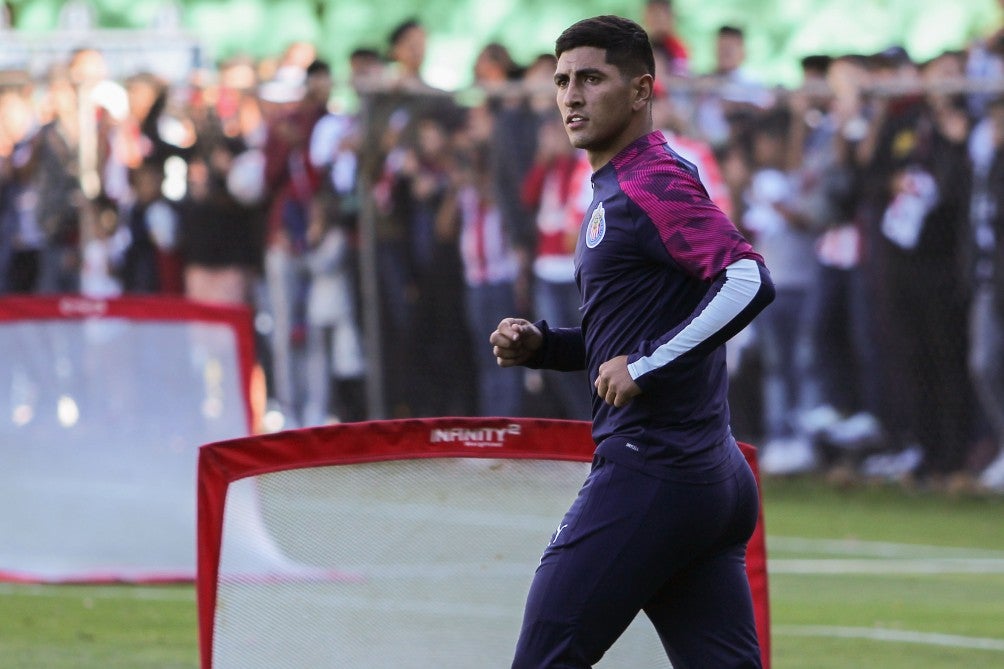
(515, 341)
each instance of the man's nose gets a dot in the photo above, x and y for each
(572, 96)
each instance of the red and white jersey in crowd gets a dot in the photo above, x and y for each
(560, 191)
(484, 247)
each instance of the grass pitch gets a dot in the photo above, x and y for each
(860, 577)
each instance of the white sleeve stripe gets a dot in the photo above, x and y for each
(742, 281)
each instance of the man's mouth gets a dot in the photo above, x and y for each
(575, 120)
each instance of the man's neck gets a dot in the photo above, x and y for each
(600, 158)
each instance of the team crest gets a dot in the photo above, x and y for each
(597, 227)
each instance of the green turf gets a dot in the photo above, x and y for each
(84, 627)
(897, 618)
(806, 507)
(904, 617)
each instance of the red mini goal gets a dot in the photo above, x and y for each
(103, 407)
(393, 544)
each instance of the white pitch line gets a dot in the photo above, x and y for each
(99, 592)
(875, 548)
(879, 557)
(889, 635)
(883, 566)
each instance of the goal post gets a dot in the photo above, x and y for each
(104, 404)
(401, 543)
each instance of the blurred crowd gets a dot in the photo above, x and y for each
(380, 243)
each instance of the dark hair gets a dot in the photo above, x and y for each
(401, 29)
(499, 54)
(365, 52)
(318, 66)
(894, 56)
(731, 31)
(816, 63)
(540, 58)
(626, 43)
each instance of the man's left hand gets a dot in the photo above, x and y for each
(614, 384)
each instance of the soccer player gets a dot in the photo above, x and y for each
(662, 520)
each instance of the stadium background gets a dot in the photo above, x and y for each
(779, 32)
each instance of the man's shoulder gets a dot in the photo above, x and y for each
(658, 171)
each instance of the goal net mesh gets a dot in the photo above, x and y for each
(103, 407)
(398, 544)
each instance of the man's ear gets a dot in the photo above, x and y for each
(643, 87)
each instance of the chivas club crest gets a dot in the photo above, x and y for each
(596, 227)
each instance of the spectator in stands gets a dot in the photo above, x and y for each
(986, 352)
(491, 265)
(19, 224)
(660, 24)
(511, 144)
(538, 83)
(61, 202)
(157, 126)
(495, 69)
(335, 143)
(222, 220)
(223, 210)
(151, 263)
(334, 359)
(558, 190)
(407, 55)
(291, 182)
(425, 184)
(920, 222)
(398, 97)
(104, 105)
(784, 232)
(394, 113)
(366, 69)
(730, 93)
(103, 244)
(985, 63)
(845, 355)
(334, 376)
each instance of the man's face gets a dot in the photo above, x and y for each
(730, 52)
(658, 20)
(319, 86)
(410, 49)
(88, 66)
(365, 71)
(596, 102)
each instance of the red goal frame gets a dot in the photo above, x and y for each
(224, 462)
(140, 308)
